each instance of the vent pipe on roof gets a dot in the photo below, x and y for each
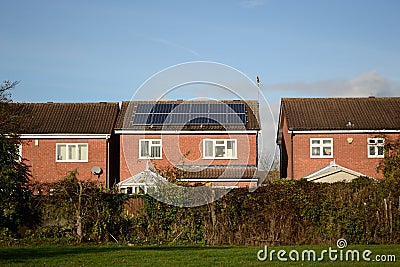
(258, 88)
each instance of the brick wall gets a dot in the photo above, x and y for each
(352, 155)
(174, 147)
(41, 155)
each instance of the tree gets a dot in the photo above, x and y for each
(83, 207)
(269, 163)
(390, 165)
(15, 197)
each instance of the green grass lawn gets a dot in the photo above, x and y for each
(113, 255)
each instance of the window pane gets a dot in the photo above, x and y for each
(371, 141)
(144, 148)
(229, 144)
(219, 142)
(315, 142)
(219, 151)
(208, 148)
(230, 149)
(372, 150)
(82, 152)
(72, 152)
(380, 150)
(154, 142)
(315, 151)
(61, 152)
(155, 151)
(327, 151)
(326, 142)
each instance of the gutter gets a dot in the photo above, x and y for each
(64, 136)
(220, 180)
(185, 132)
(341, 131)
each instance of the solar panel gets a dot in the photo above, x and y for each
(236, 118)
(144, 108)
(199, 108)
(159, 118)
(182, 108)
(178, 118)
(142, 119)
(218, 108)
(198, 120)
(163, 108)
(218, 118)
(237, 108)
(190, 113)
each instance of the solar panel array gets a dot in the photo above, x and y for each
(190, 114)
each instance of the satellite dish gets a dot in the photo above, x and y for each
(96, 170)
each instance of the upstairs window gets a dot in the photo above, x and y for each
(72, 152)
(321, 147)
(375, 147)
(150, 148)
(219, 148)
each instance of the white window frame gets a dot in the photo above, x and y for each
(77, 152)
(149, 148)
(225, 145)
(377, 142)
(321, 147)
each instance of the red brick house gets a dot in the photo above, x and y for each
(213, 142)
(60, 137)
(317, 136)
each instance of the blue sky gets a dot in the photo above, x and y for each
(89, 51)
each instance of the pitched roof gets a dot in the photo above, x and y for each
(341, 113)
(219, 173)
(150, 177)
(147, 176)
(67, 118)
(128, 110)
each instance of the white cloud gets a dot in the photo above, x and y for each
(367, 84)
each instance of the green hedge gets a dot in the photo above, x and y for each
(285, 212)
